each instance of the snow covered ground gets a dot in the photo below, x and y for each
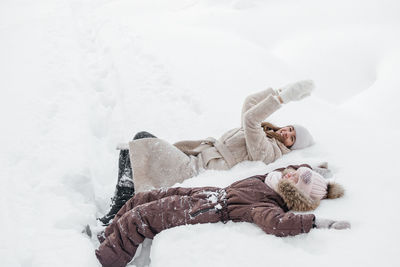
(78, 77)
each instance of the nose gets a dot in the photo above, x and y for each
(288, 134)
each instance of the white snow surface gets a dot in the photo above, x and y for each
(79, 77)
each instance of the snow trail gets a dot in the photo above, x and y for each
(79, 77)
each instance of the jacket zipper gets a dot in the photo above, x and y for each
(201, 211)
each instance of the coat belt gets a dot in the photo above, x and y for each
(222, 150)
(228, 156)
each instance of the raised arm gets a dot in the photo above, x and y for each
(291, 92)
(256, 98)
(273, 220)
(258, 145)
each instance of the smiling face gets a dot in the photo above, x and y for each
(288, 135)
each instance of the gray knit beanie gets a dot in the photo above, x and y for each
(303, 138)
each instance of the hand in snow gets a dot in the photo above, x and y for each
(296, 91)
(326, 173)
(331, 224)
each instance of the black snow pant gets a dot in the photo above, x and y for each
(124, 189)
(125, 176)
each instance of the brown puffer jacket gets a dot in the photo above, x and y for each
(148, 213)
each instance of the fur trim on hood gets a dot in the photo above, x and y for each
(298, 201)
(294, 198)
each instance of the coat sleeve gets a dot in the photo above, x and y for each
(188, 146)
(254, 99)
(258, 145)
(273, 220)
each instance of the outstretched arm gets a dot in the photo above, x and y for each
(273, 220)
(290, 92)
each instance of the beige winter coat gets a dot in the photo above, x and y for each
(156, 163)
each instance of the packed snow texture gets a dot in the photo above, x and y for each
(79, 77)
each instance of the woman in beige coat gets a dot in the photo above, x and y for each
(154, 163)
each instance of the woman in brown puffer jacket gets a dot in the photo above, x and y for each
(249, 200)
(157, 163)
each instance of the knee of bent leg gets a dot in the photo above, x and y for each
(110, 255)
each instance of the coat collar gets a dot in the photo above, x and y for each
(282, 147)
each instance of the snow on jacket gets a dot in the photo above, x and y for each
(148, 213)
(156, 163)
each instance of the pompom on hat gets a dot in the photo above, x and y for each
(312, 184)
(303, 138)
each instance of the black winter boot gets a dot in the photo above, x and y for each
(125, 175)
(122, 195)
(125, 188)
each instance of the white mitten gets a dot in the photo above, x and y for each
(296, 91)
(331, 224)
(326, 173)
(322, 168)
